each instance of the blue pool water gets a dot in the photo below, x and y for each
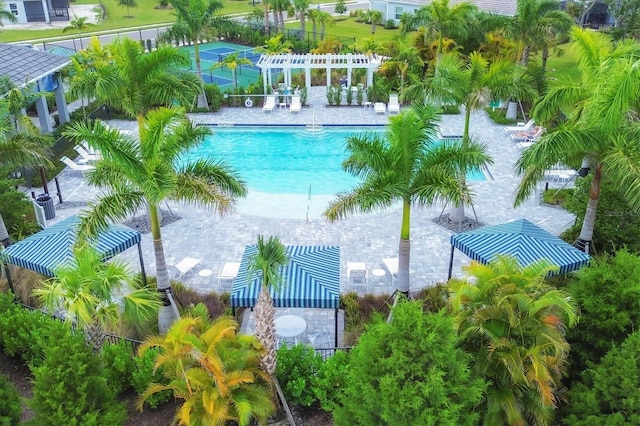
(286, 160)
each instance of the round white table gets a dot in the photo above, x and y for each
(378, 274)
(205, 273)
(290, 325)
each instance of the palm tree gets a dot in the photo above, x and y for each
(275, 45)
(535, 24)
(514, 324)
(147, 172)
(18, 149)
(375, 18)
(136, 82)
(214, 370)
(232, 61)
(195, 20)
(300, 7)
(325, 19)
(267, 4)
(407, 57)
(279, 7)
(469, 82)
(89, 293)
(406, 165)
(6, 15)
(599, 131)
(78, 24)
(269, 261)
(19, 99)
(445, 22)
(314, 15)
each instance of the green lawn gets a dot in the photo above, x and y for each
(564, 65)
(348, 27)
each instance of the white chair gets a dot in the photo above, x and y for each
(394, 105)
(380, 108)
(296, 104)
(269, 103)
(521, 127)
(75, 166)
(86, 156)
(357, 273)
(530, 136)
(185, 266)
(229, 272)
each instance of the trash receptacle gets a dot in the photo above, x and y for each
(47, 204)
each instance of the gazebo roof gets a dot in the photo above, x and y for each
(24, 65)
(523, 240)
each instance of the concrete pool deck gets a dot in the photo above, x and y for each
(364, 238)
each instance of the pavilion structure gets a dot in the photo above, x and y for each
(291, 61)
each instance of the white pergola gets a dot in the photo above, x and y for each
(309, 61)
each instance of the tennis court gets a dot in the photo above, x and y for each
(213, 53)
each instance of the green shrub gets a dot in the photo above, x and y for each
(70, 387)
(143, 375)
(215, 96)
(330, 380)
(295, 370)
(608, 294)
(409, 372)
(118, 365)
(25, 333)
(498, 116)
(390, 24)
(10, 408)
(557, 197)
(16, 210)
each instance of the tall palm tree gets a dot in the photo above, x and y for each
(232, 61)
(599, 130)
(195, 20)
(325, 19)
(444, 21)
(267, 5)
(148, 172)
(97, 296)
(535, 24)
(279, 7)
(135, 81)
(469, 82)
(405, 165)
(300, 7)
(214, 370)
(375, 18)
(18, 149)
(314, 15)
(514, 324)
(269, 261)
(78, 24)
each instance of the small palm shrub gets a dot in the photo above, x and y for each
(10, 408)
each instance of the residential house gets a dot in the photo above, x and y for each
(37, 10)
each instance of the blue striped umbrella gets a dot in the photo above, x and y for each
(311, 279)
(523, 240)
(52, 247)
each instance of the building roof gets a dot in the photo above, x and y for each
(501, 7)
(26, 65)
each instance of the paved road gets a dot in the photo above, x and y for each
(152, 33)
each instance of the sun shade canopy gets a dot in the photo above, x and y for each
(52, 248)
(521, 239)
(311, 279)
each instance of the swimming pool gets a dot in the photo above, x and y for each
(287, 160)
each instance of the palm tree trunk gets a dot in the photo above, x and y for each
(266, 17)
(315, 29)
(404, 250)
(322, 26)
(281, 15)
(457, 214)
(166, 315)
(94, 336)
(525, 55)
(202, 96)
(4, 234)
(264, 315)
(303, 23)
(586, 232)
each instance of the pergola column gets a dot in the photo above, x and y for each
(349, 69)
(369, 77)
(61, 102)
(43, 110)
(328, 70)
(265, 72)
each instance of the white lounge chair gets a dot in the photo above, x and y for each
(296, 105)
(521, 127)
(357, 273)
(228, 272)
(86, 156)
(530, 136)
(185, 266)
(380, 108)
(392, 265)
(394, 105)
(75, 166)
(269, 103)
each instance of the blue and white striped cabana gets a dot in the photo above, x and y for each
(311, 280)
(521, 239)
(52, 247)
